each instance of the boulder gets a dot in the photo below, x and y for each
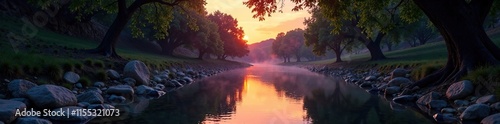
(488, 99)
(138, 71)
(370, 78)
(71, 77)
(461, 102)
(32, 120)
(94, 89)
(26, 101)
(100, 106)
(392, 90)
(492, 119)
(437, 104)
(159, 87)
(69, 118)
(90, 97)
(476, 111)
(51, 96)
(444, 118)
(143, 89)
(8, 110)
(448, 110)
(156, 93)
(424, 101)
(122, 90)
(404, 99)
(99, 84)
(398, 72)
(112, 74)
(495, 106)
(459, 90)
(188, 79)
(399, 81)
(116, 99)
(129, 81)
(18, 87)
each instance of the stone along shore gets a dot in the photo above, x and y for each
(29, 103)
(458, 104)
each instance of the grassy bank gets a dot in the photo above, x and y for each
(423, 60)
(47, 55)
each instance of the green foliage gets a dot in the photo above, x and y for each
(425, 70)
(54, 72)
(484, 75)
(98, 64)
(101, 75)
(85, 81)
(289, 44)
(230, 34)
(158, 13)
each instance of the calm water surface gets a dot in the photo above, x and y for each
(269, 94)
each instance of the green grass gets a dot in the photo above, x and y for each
(29, 62)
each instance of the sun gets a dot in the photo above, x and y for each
(245, 37)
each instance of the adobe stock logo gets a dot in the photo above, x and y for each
(29, 29)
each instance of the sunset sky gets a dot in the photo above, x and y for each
(256, 30)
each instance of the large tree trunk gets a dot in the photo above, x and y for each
(200, 54)
(375, 51)
(338, 56)
(298, 58)
(107, 46)
(461, 25)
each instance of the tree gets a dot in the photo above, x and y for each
(208, 39)
(277, 47)
(318, 35)
(180, 30)
(156, 12)
(460, 22)
(231, 35)
(289, 44)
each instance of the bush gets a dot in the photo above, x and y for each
(85, 81)
(101, 75)
(54, 72)
(424, 70)
(98, 64)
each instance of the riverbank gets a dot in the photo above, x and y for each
(461, 102)
(122, 87)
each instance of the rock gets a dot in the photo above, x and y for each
(399, 81)
(424, 101)
(79, 85)
(366, 85)
(488, 99)
(492, 119)
(495, 106)
(100, 106)
(69, 117)
(99, 84)
(138, 71)
(116, 99)
(459, 90)
(143, 89)
(476, 111)
(129, 81)
(448, 110)
(8, 110)
(24, 100)
(112, 74)
(83, 104)
(90, 97)
(444, 118)
(159, 87)
(370, 78)
(157, 79)
(398, 72)
(461, 109)
(18, 87)
(156, 93)
(404, 99)
(32, 120)
(51, 96)
(188, 79)
(392, 90)
(437, 104)
(120, 90)
(461, 102)
(180, 74)
(94, 89)
(71, 77)
(388, 78)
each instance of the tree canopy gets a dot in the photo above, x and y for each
(231, 35)
(289, 44)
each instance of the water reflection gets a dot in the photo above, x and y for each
(271, 94)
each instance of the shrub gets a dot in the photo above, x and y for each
(54, 72)
(85, 81)
(424, 70)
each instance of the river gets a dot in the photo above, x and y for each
(271, 94)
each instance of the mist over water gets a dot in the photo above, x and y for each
(270, 94)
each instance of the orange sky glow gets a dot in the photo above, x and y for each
(256, 30)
